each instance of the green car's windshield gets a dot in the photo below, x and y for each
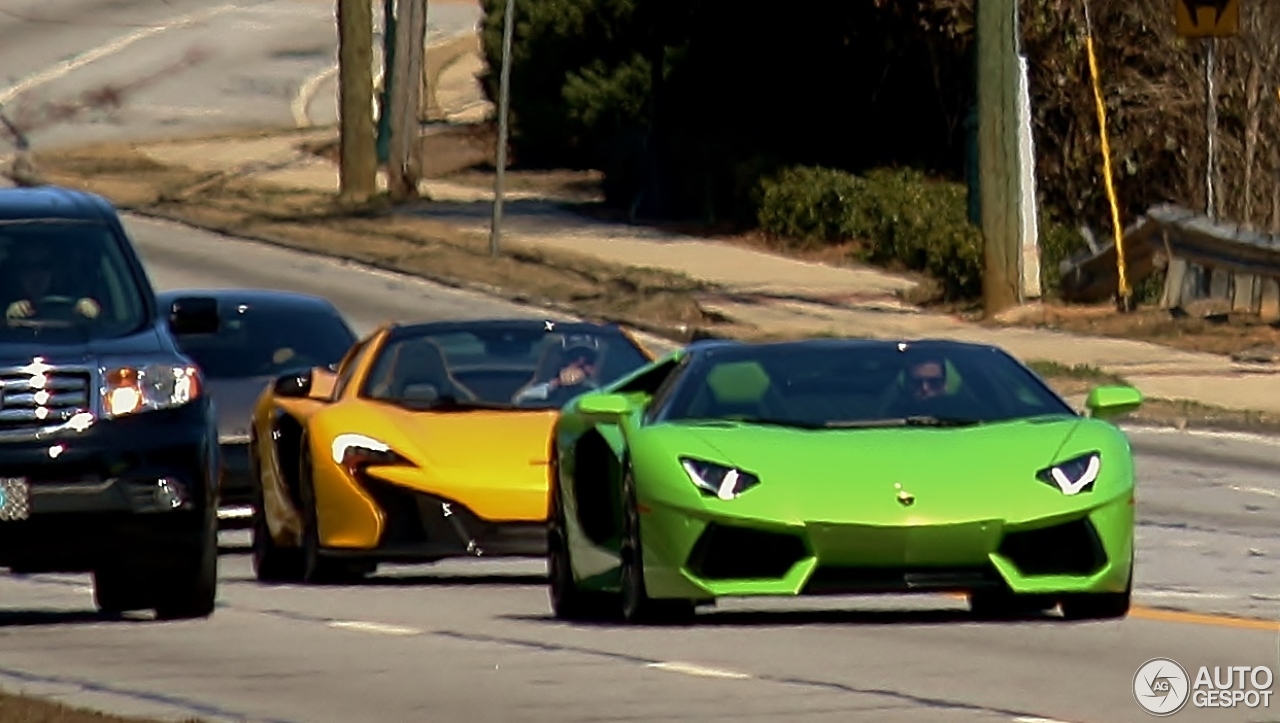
(514, 366)
(850, 386)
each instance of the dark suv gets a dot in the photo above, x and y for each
(108, 442)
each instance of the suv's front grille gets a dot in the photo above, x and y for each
(30, 400)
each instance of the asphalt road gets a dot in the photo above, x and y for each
(179, 67)
(472, 641)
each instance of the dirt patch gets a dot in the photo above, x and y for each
(1227, 334)
(651, 300)
(371, 234)
(23, 709)
(466, 155)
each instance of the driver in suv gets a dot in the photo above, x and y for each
(32, 272)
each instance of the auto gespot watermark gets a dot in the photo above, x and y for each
(1162, 686)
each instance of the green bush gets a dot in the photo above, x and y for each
(902, 216)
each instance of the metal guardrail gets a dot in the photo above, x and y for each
(1202, 259)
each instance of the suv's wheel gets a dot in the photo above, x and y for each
(190, 588)
(119, 589)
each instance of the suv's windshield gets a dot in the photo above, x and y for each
(260, 340)
(847, 386)
(526, 367)
(66, 280)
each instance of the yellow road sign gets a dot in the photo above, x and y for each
(1207, 18)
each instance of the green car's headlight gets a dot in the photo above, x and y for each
(717, 479)
(1075, 475)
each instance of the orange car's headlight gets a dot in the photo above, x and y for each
(354, 452)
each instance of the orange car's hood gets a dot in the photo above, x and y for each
(493, 462)
(491, 442)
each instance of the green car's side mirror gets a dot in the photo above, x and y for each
(1113, 400)
(605, 406)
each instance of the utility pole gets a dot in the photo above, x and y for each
(403, 167)
(504, 103)
(997, 84)
(359, 158)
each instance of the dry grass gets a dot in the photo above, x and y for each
(370, 234)
(24, 709)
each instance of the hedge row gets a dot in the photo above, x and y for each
(902, 216)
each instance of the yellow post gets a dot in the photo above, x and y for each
(1124, 293)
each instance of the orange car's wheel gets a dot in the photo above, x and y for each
(271, 563)
(317, 569)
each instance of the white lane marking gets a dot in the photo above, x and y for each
(1257, 491)
(1270, 440)
(300, 107)
(86, 589)
(67, 66)
(368, 627)
(701, 671)
(1182, 594)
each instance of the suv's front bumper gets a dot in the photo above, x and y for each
(133, 488)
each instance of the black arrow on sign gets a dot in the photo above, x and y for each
(1219, 6)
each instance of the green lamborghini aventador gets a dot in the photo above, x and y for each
(839, 466)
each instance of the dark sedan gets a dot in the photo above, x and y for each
(262, 335)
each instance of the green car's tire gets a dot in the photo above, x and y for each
(568, 601)
(637, 606)
(1099, 606)
(1002, 604)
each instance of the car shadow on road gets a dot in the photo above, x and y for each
(61, 618)
(805, 618)
(413, 581)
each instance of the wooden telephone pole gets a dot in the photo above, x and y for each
(359, 157)
(404, 167)
(998, 71)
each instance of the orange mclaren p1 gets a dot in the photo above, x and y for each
(425, 442)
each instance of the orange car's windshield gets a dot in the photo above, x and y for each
(517, 366)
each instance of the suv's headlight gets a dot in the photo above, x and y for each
(717, 479)
(1075, 475)
(129, 390)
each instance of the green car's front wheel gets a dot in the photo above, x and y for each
(568, 601)
(1099, 606)
(637, 606)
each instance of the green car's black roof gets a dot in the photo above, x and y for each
(801, 346)
(53, 203)
(499, 324)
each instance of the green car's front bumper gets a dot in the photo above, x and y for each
(693, 552)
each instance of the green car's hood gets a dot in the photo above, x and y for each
(952, 474)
